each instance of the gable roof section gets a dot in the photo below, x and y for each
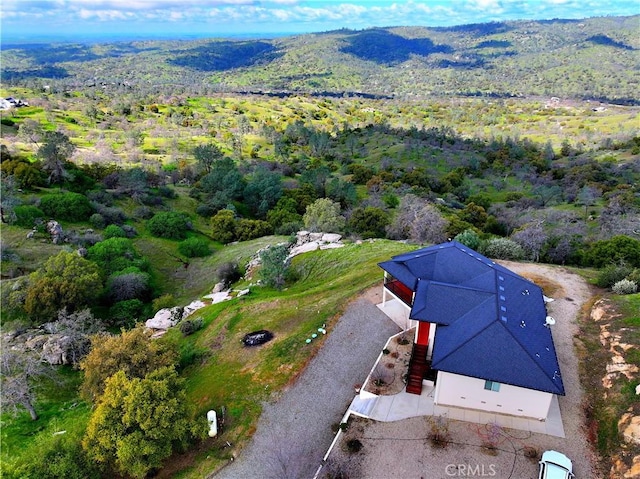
(491, 321)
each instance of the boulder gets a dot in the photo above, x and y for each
(55, 349)
(331, 237)
(192, 307)
(629, 427)
(55, 230)
(164, 319)
(218, 288)
(304, 248)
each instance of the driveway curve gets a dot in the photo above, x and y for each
(294, 432)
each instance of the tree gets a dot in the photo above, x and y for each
(67, 206)
(207, 156)
(419, 221)
(129, 284)
(55, 151)
(115, 254)
(78, 327)
(587, 196)
(64, 281)
(274, 265)
(169, 224)
(194, 247)
(18, 372)
(619, 249)
(263, 191)
(138, 422)
(323, 215)
(132, 352)
(532, 238)
(503, 248)
(223, 226)
(369, 222)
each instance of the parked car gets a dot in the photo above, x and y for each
(555, 465)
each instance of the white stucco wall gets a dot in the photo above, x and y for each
(467, 392)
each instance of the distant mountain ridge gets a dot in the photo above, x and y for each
(595, 58)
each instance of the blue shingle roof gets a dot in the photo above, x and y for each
(491, 321)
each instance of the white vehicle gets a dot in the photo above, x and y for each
(555, 465)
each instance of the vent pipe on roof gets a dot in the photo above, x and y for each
(549, 321)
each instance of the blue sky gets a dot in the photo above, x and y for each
(72, 19)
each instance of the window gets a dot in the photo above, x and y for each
(492, 386)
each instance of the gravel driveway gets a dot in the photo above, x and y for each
(294, 433)
(403, 450)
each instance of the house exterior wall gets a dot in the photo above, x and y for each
(467, 392)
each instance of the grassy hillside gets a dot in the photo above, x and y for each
(591, 58)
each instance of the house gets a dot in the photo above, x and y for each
(482, 331)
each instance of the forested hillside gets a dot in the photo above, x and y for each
(589, 59)
(136, 176)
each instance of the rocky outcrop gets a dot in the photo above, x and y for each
(307, 241)
(55, 349)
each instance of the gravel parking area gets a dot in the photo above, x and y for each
(403, 449)
(294, 433)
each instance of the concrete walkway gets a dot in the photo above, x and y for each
(404, 405)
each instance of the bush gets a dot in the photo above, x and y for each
(194, 247)
(126, 313)
(114, 231)
(169, 224)
(128, 285)
(274, 266)
(611, 274)
(190, 326)
(469, 238)
(97, 220)
(27, 215)
(503, 248)
(615, 250)
(250, 229)
(164, 301)
(111, 214)
(228, 273)
(624, 286)
(66, 206)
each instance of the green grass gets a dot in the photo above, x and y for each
(239, 378)
(59, 409)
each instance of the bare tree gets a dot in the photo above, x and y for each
(18, 370)
(532, 238)
(78, 327)
(419, 221)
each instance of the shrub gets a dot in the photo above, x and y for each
(228, 273)
(615, 250)
(111, 214)
(164, 301)
(66, 206)
(190, 326)
(503, 248)
(27, 215)
(126, 313)
(97, 220)
(274, 266)
(611, 274)
(624, 286)
(169, 224)
(129, 285)
(194, 247)
(469, 238)
(247, 229)
(114, 231)
(129, 231)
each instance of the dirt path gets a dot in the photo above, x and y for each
(403, 450)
